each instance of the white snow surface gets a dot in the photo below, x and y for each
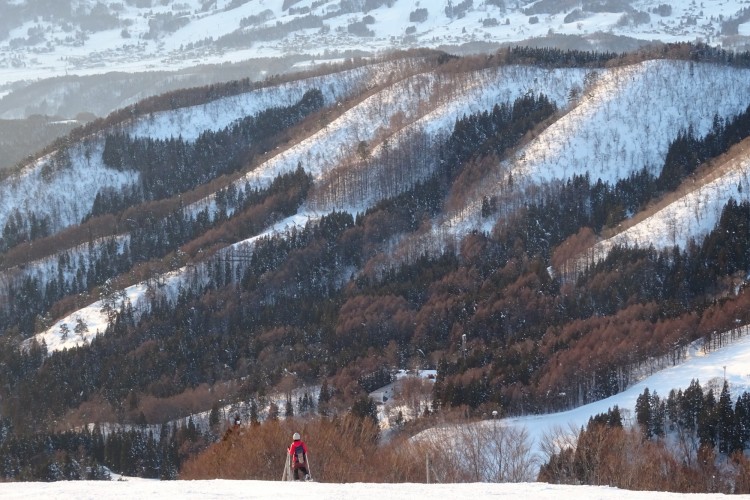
(59, 50)
(65, 194)
(190, 122)
(692, 215)
(624, 119)
(621, 123)
(332, 146)
(95, 316)
(706, 368)
(69, 192)
(628, 118)
(216, 489)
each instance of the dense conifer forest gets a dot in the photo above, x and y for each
(701, 427)
(320, 304)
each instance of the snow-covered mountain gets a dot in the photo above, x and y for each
(382, 118)
(622, 120)
(40, 40)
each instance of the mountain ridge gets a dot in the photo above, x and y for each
(202, 204)
(91, 38)
(397, 224)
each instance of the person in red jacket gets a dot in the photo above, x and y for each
(298, 454)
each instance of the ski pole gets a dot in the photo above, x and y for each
(285, 476)
(309, 469)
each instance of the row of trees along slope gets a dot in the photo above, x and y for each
(286, 307)
(301, 304)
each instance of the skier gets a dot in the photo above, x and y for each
(234, 429)
(298, 454)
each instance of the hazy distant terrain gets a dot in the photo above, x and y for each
(41, 39)
(60, 58)
(19, 138)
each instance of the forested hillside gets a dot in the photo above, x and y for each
(218, 245)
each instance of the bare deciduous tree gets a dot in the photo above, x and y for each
(482, 452)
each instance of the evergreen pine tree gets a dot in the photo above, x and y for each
(707, 420)
(658, 415)
(673, 408)
(289, 410)
(273, 411)
(725, 420)
(192, 430)
(643, 412)
(213, 417)
(323, 398)
(254, 421)
(691, 406)
(741, 433)
(364, 407)
(97, 444)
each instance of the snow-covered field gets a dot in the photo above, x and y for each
(216, 489)
(624, 119)
(59, 48)
(731, 361)
(708, 369)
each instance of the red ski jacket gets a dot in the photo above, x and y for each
(296, 449)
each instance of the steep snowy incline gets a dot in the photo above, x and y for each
(708, 369)
(64, 193)
(692, 215)
(68, 182)
(95, 316)
(628, 118)
(337, 141)
(624, 120)
(333, 145)
(323, 151)
(489, 88)
(605, 113)
(191, 121)
(336, 144)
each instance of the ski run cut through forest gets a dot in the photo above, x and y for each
(556, 241)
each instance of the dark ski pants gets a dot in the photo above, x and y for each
(300, 471)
